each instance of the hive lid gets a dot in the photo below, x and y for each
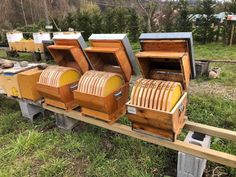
(68, 51)
(187, 36)
(17, 69)
(114, 50)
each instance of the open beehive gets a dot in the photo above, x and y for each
(158, 101)
(103, 93)
(57, 83)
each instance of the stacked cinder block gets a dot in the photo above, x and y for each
(30, 110)
(191, 166)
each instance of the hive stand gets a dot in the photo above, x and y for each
(109, 53)
(68, 51)
(65, 122)
(168, 57)
(182, 146)
(189, 165)
(30, 109)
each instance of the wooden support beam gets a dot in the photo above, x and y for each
(205, 153)
(212, 131)
(218, 61)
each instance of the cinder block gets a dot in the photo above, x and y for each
(202, 68)
(29, 110)
(65, 122)
(191, 166)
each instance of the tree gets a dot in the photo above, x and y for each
(169, 13)
(184, 23)
(84, 23)
(23, 11)
(109, 20)
(133, 25)
(205, 30)
(230, 7)
(120, 19)
(149, 11)
(96, 18)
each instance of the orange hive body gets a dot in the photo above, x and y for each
(158, 101)
(57, 82)
(103, 93)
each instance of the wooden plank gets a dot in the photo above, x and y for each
(212, 131)
(217, 61)
(209, 154)
(60, 47)
(165, 41)
(102, 49)
(154, 54)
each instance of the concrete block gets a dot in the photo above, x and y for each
(202, 68)
(29, 110)
(189, 165)
(65, 122)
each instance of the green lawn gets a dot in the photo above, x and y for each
(42, 149)
(215, 51)
(23, 56)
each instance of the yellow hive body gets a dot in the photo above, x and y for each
(100, 83)
(27, 83)
(10, 85)
(58, 76)
(157, 95)
(28, 45)
(175, 93)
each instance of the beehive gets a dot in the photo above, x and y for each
(56, 83)
(103, 93)
(10, 79)
(12, 38)
(27, 45)
(27, 84)
(158, 100)
(38, 41)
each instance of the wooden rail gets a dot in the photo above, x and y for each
(205, 153)
(212, 131)
(217, 61)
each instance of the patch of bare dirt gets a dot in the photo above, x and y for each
(227, 92)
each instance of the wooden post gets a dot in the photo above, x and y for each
(231, 35)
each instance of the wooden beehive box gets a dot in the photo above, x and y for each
(167, 57)
(12, 38)
(9, 79)
(39, 37)
(110, 53)
(68, 51)
(27, 45)
(27, 84)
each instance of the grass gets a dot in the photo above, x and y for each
(215, 51)
(41, 149)
(23, 56)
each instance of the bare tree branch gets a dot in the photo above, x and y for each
(23, 11)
